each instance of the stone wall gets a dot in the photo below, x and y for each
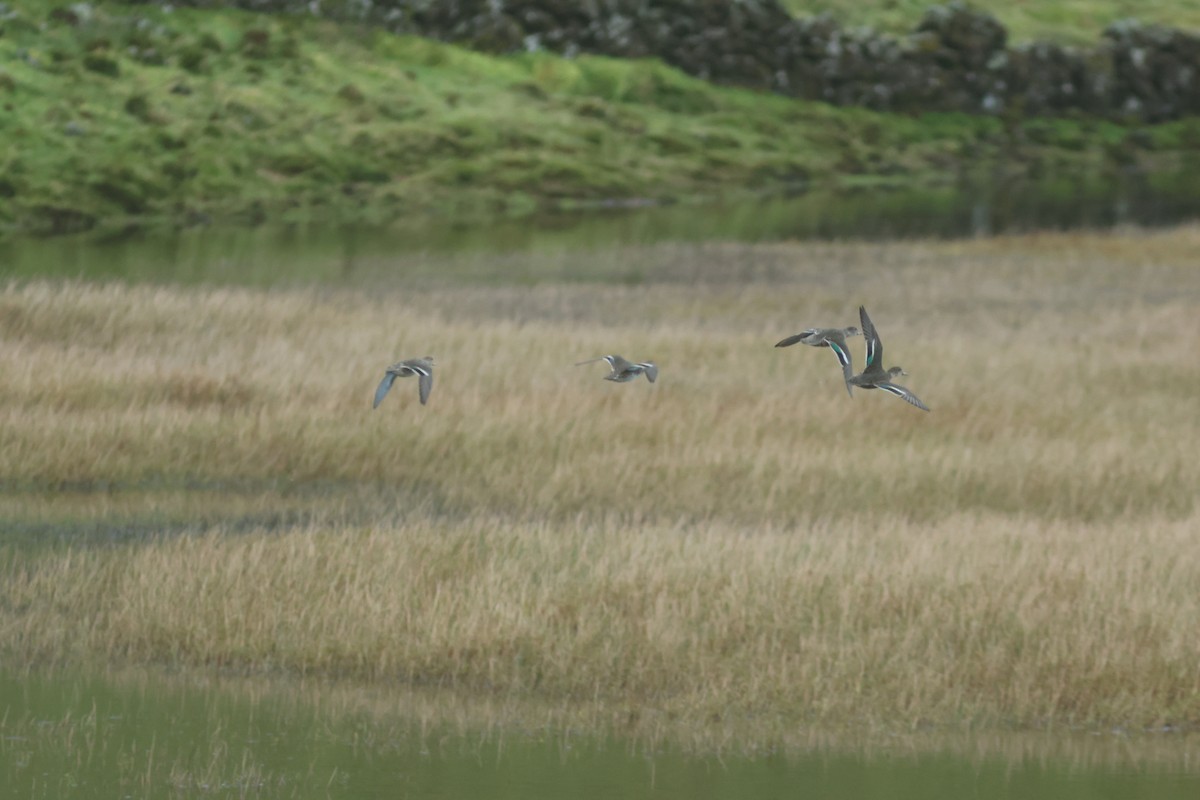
(957, 58)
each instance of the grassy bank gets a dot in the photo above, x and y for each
(739, 540)
(195, 115)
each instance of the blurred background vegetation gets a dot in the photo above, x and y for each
(118, 114)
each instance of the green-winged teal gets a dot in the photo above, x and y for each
(874, 376)
(835, 340)
(421, 367)
(622, 370)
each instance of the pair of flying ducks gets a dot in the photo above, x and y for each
(873, 376)
(622, 371)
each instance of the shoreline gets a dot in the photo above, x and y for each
(339, 123)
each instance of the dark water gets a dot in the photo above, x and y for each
(345, 255)
(149, 737)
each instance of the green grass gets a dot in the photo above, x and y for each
(1076, 22)
(222, 114)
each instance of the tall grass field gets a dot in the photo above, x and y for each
(738, 541)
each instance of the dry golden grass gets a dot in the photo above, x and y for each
(968, 619)
(740, 539)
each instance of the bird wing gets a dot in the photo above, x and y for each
(900, 391)
(615, 363)
(838, 346)
(874, 343)
(425, 383)
(384, 386)
(799, 337)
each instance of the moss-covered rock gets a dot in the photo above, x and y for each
(957, 58)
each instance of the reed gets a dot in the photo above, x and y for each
(973, 619)
(738, 539)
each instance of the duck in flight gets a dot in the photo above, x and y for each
(874, 376)
(421, 367)
(624, 371)
(835, 340)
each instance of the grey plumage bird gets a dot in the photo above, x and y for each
(874, 376)
(421, 367)
(623, 371)
(835, 340)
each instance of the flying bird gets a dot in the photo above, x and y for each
(874, 376)
(624, 371)
(421, 367)
(835, 340)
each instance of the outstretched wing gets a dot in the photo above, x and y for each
(900, 391)
(650, 369)
(384, 386)
(799, 337)
(425, 383)
(874, 344)
(838, 346)
(615, 363)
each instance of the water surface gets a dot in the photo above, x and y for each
(271, 255)
(151, 735)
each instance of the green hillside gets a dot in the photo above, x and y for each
(201, 114)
